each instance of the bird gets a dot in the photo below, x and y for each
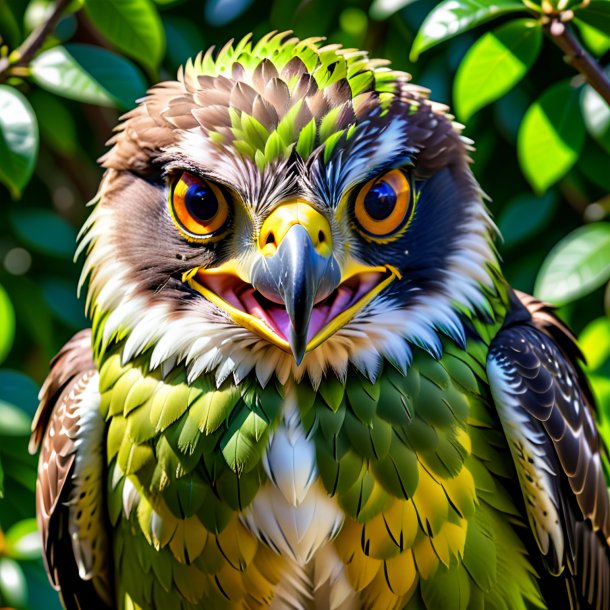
(307, 382)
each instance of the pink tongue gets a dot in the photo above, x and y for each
(275, 316)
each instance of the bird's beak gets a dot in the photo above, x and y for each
(297, 267)
(295, 294)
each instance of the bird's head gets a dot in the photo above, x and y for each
(286, 207)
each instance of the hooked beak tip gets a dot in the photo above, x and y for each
(298, 345)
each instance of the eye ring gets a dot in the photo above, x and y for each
(384, 207)
(198, 207)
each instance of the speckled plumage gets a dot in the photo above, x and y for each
(187, 462)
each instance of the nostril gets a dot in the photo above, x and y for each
(270, 238)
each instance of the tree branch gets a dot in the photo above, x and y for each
(21, 56)
(577, 56)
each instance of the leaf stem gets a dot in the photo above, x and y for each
(21, 56)
(577, 56)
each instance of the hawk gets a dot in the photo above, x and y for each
(307, 383)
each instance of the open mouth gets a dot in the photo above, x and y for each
(249, 308)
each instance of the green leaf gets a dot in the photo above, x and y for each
(184, 39)
(551, 136)
(596, 113)
(22, 540)
(13, 421)
(18, 140)
(44, 231)
(36, 13)
(60, 296)
(597, 41)
(382, 9)
(593, 163)
(7, 324)
(18, 389)
(57, 126)
(222, 12)
(594, 341)
(597, 15)
(132, 26)
(524, 216)
(13, 587)
(89, 74)
(452, 17)
(495, 64)
(9, 25)
(35, 320)
(577, 265)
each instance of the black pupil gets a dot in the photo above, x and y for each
(380, 201)
(201, 202)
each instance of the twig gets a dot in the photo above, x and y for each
(21, 57)
(577, 56)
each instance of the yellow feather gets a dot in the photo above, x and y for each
(401, 573)
(430, 501)
(237, 544)
(426, 559)
(189, 540)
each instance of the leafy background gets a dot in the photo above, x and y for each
(542, 155)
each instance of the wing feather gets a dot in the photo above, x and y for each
(546, 410)
(69, 430)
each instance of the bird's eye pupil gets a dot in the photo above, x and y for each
(201, 202)
(380, 201)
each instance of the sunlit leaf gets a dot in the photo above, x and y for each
(13, 421)
(597, 41)
(89, 74)
(601, 390)
(551, 136)
(495, 64)
(44, 231)
(22, 540)
(221, 12)
(596, 112)
(13, 587)
(452, 17)
(524, 216)
(577, 265)
(18, 139)
(132, 26)
(7, 324)
(36, 13)
(594, 341)
(382, 9)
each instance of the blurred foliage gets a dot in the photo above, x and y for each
(68, 69)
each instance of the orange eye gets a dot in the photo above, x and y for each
(384, 206)
(198, 206)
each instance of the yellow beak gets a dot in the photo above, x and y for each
(295, 295)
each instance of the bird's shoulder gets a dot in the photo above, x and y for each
(69, 431)
(547, 412)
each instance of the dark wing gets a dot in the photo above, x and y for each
(545, 407)
(70, 487)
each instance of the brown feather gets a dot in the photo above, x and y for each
(57, 430)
